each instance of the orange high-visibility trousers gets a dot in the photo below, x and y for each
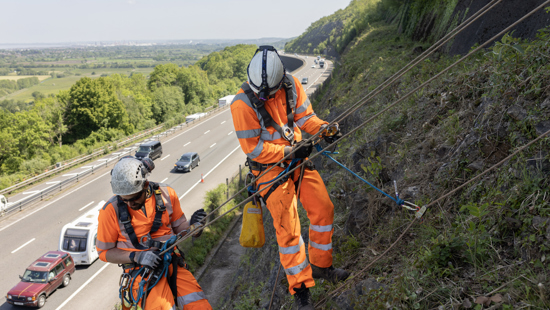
(190, 294)
(282, 205)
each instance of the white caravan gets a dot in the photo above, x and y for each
(78, 237)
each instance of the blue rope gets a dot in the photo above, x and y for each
(399, 201)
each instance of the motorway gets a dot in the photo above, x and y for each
(26, 235)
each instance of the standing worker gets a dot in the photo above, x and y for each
(133, 225)
(269, 112)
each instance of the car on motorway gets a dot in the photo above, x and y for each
(187, 162)
(41, 278)
(313, 66)
(151, 149)
(304, 80)
(3, 204)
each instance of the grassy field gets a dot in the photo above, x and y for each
(17, 77)
(53, 86)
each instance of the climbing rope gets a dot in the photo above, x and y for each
(364, 123)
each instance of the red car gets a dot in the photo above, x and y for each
(41, 278)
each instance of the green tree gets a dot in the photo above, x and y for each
(93, 104)
(168, 102)
(163, 75)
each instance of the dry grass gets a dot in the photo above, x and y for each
(18, 77)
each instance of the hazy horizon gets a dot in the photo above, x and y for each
(73, 22)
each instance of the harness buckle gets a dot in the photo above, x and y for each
(288, 133)
(145, 240)
(124, 281)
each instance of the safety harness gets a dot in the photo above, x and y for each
(286, 131)
(149, 278)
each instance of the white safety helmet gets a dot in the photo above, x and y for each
(128, 176)
(265, 72)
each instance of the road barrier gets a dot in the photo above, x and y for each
(40, 195)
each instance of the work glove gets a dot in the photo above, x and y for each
(198, 216)
(303, 149)
(336, 136)
(147, 258)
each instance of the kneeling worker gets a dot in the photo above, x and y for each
(269, 113)
(134, 224)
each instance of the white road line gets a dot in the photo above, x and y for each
(207, 131)
(186, 144)
(83, 285)
(163, 180)
(69, 174)
(85, 167)
(212, 145)
(31, 192)
(165, 157)
(46, 205)
(196, 125)
(19, 248)
(53, 182)
(216, 166)
(85, 206)
(103, 160)
(230, 133)
(222, 122)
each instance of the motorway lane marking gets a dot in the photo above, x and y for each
(186, 144)
(86, 167)
(207, 131)
(31, 192)
(196, 126)
(46, 205)
(53, 182)
(19, 248)
(216, 166)
(230, 133)
(85, 206)
(163, 180)
(165, 157)
(69, 174)
(222, 122)
(81, 287)
(212, 145)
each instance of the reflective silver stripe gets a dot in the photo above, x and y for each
(266, 136)
(251, 133)
(257, 150)
(128, 244)
(303, 107)
(179, 221)
(292, 271)
(322, 247)
(319, 228)
(105, 245)
(303, 120)
(189, 298)
(243, 97)
(291, 249)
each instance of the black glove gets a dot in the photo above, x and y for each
(198, 216)
(303, 149)
(331, 139)
(147, 258)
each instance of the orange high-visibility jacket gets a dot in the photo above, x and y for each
(111, 233)
(263, 143)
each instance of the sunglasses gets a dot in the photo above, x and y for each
(136, 197)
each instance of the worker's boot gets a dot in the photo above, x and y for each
(302, 298)
(331, 274)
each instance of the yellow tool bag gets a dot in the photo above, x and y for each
(252, 230)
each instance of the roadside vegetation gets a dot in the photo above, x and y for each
(93, 112)
(486, 246)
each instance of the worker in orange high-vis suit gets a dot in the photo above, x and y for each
(269, 113)
(133, 225)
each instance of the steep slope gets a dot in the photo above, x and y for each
(485, 245)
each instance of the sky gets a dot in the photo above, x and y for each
(52, 21)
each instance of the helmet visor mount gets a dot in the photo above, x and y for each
(264, 89)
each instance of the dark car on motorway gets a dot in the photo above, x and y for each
(41, 278)
(151, 149)
(187, 162)
(304, 80)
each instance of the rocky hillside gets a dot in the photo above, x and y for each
(483, 246)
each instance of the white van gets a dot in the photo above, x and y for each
(78, 237)
(3, 204)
